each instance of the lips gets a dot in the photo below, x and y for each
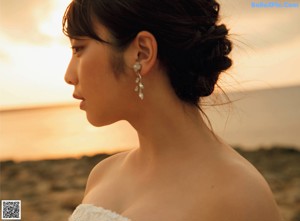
(78, 97)
(82, 103)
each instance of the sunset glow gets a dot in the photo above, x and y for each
(32, 64)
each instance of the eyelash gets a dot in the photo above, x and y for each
(76, 49)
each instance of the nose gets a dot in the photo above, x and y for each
(71, 74)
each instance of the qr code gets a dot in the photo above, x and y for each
(11, 209)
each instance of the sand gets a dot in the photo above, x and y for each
(51, 189)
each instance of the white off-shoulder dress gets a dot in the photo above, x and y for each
(89, 212)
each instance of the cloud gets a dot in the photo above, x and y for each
(20, 20)
(260, 27)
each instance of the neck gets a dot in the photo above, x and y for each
(170, 132)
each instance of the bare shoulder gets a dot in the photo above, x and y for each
(240, 193)
(104, 168)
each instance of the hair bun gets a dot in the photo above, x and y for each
(206, 58)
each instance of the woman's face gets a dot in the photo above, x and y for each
(91, 70)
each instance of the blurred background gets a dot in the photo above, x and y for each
(40, 120)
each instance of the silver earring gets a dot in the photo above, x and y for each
(139, 88)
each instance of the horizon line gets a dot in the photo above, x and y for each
(26, 107)
(37, 106)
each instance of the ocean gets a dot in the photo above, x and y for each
(254, 119)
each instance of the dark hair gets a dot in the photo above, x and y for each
(191, 46)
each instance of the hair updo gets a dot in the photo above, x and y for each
(191, 46)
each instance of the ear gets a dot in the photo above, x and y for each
(144, 50)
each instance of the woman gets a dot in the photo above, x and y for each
(150, 63)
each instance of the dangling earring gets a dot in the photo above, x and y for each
(137, 68)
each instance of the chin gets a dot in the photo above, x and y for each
(99, 122)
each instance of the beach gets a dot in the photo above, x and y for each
(51, 189)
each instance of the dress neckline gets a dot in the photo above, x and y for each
(103, 210)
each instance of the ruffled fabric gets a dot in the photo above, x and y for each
(89, 212)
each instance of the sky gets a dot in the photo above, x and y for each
(34, 53)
